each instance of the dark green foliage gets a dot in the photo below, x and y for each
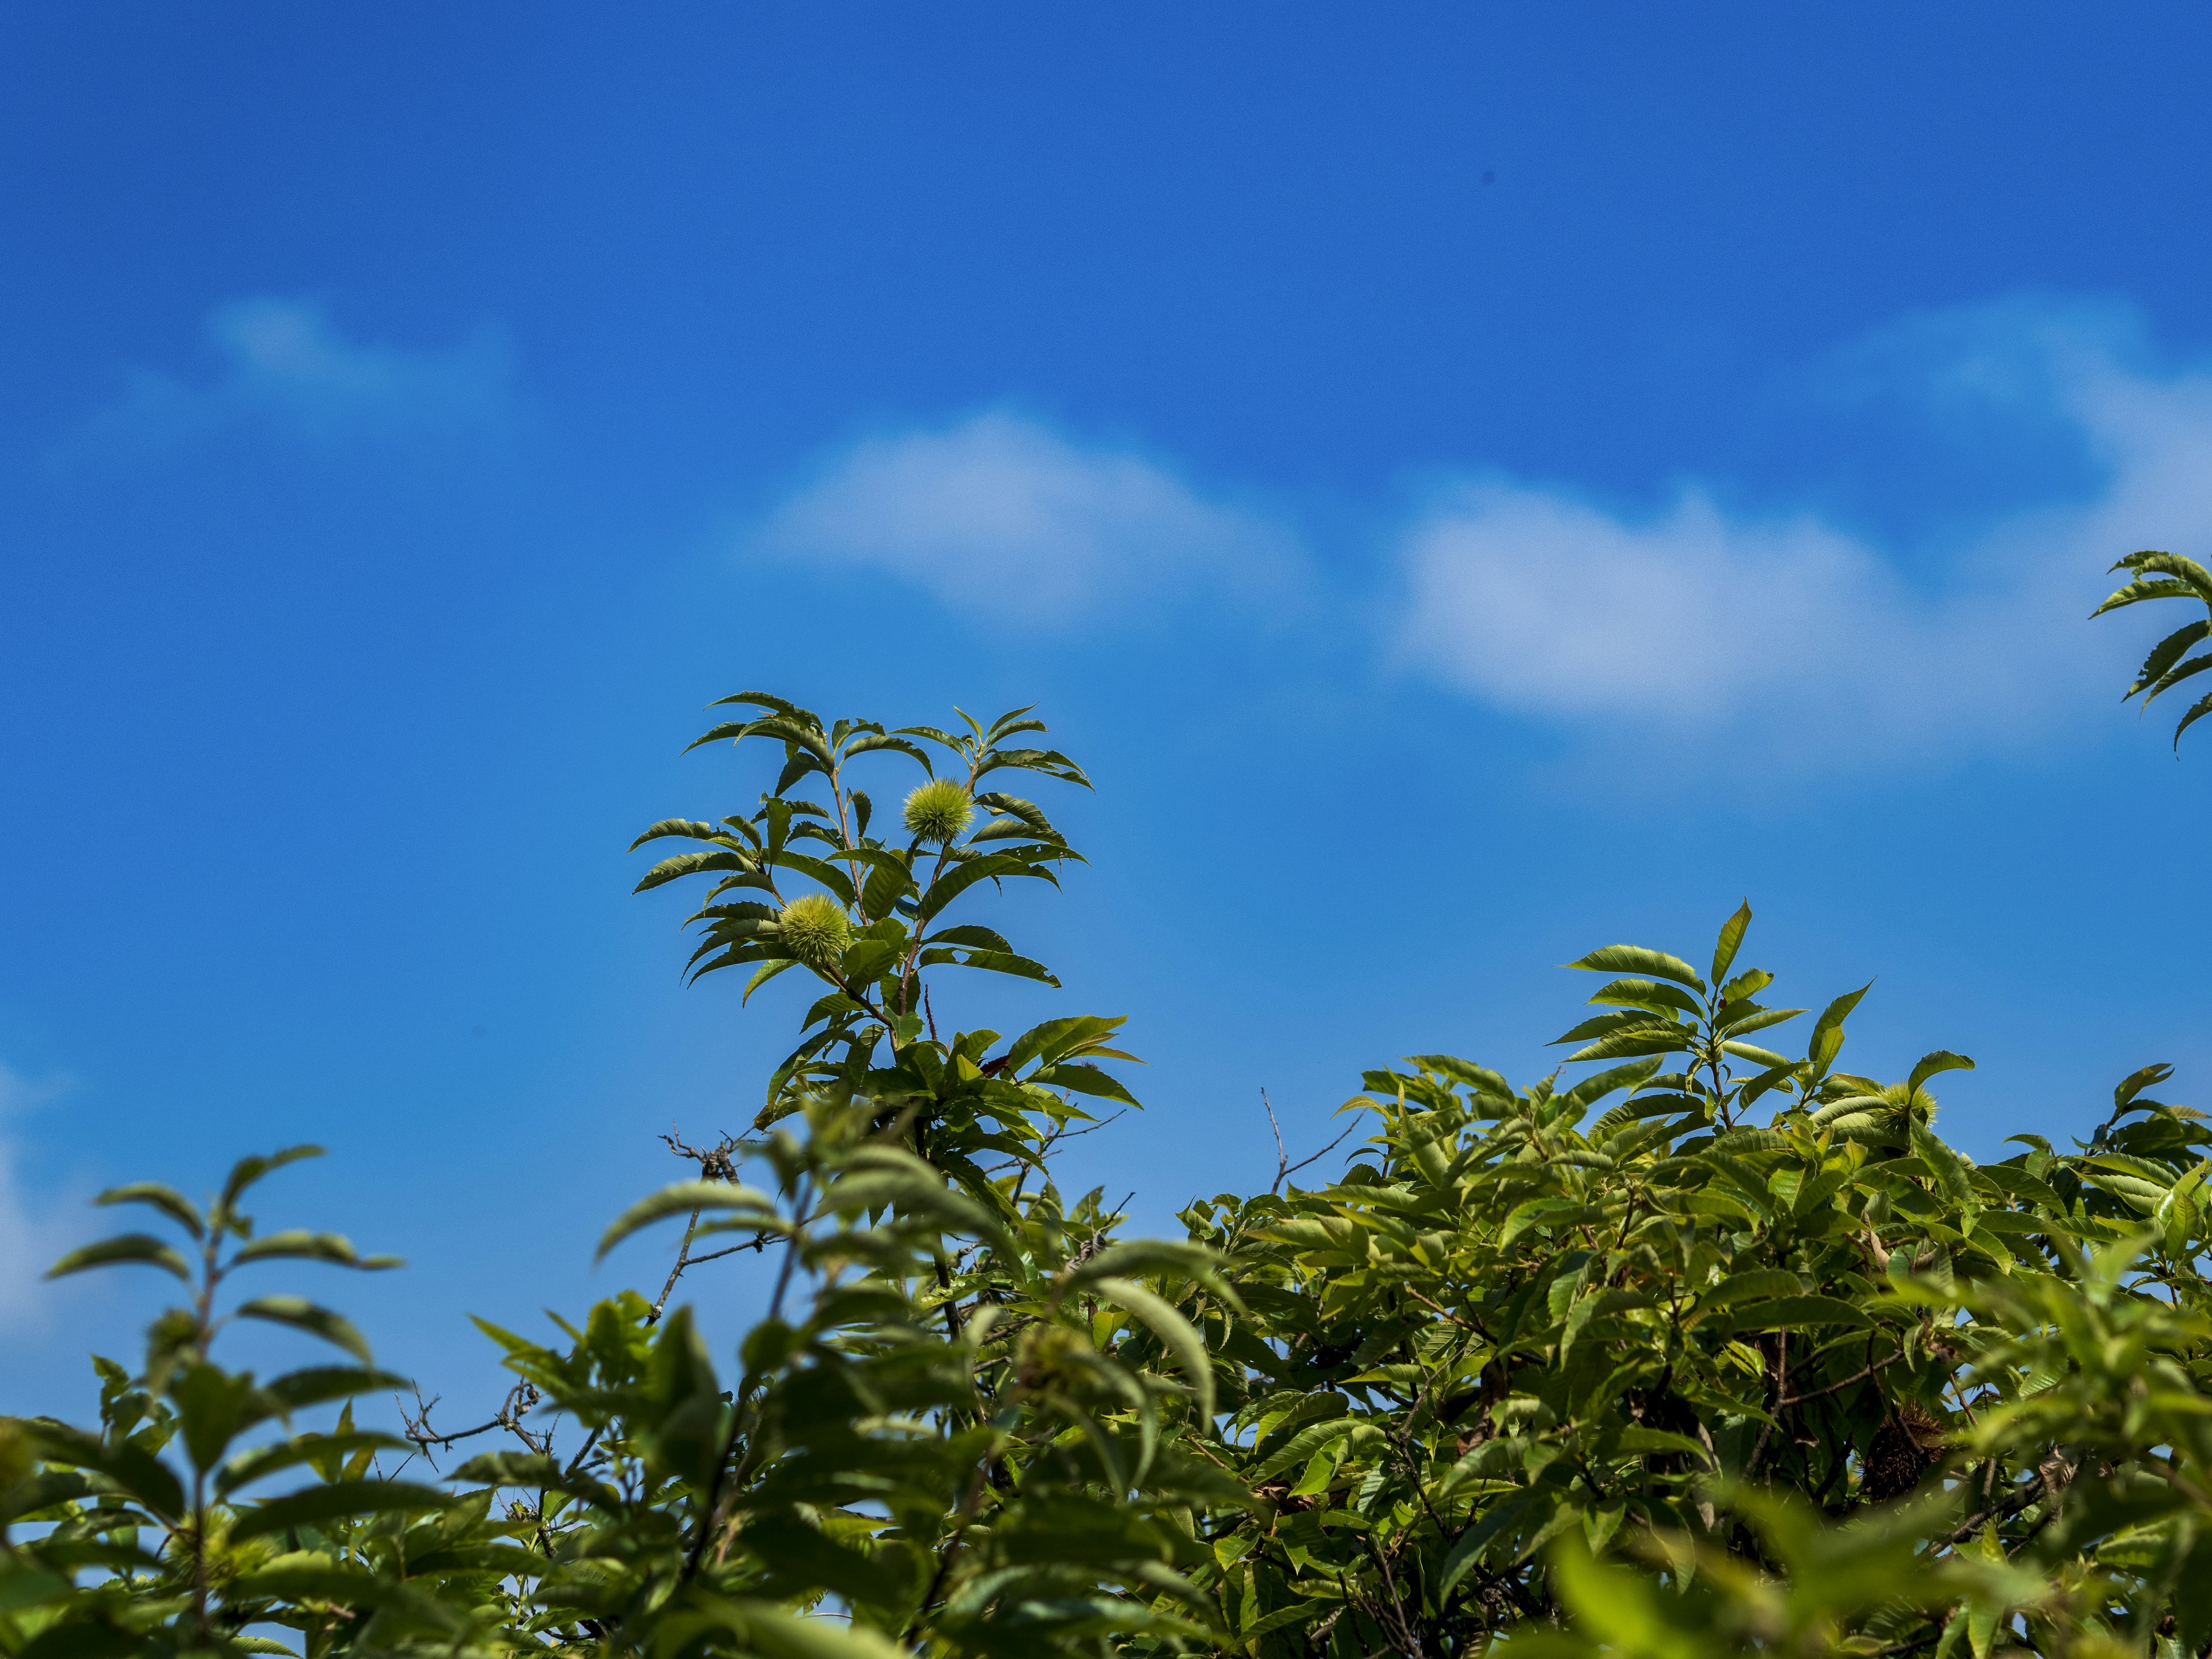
(1696, 1346)
(1615, 1316)
(2168, 576)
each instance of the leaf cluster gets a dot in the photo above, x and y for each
(1697, 1346)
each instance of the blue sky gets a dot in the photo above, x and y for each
(1471, 483)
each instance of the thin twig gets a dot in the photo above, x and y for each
(1857, 1376)
(716, 1162)
(708, 1510)
(1284, 1168)
(520, 1400)
(1061, 1133)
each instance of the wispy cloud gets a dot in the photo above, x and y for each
(282, 365)
(30, 1231)
(1001, 518)
(1697, 622)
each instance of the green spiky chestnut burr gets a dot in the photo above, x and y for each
(938, 811)
(815, 929)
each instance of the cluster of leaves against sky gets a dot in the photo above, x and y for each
(1694, 1347)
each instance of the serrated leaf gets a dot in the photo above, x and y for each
(1791, 1312)
(745, 1206)
(1730, 940)
(302, 1314)
(248, 1170)
(1637, 959)
(124, 1249)
(297, 1244)
(1180, 1337)
(335, 1500)
(259, 1464)
(1943, 1060)
(169, 1201)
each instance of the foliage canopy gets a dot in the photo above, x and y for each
(1696, 1346)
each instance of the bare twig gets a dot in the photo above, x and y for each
(716, 1162)
(2013, 1504)
(1437, 1306)
(1284, 1168)
(709, 1511)
(520, 1400)
(1856, 1376)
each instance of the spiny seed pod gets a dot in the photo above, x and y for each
(938, 811)
(815, 929)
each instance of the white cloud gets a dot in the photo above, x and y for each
(31, 1232)
(1002, 519)
(284, 366)
(1695, 620)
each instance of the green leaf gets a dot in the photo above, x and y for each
(1950, 1174)
(139, 1471)
(1636, 959)
(1827, 1039)
(819, 870)
(535, 1469)
(302, 1314)
(1941, 1060)
(962, 876)
(296, 1244)
(306, 1575)
(887, 883)
(1480, 1079)
(1175, 1257)
(2197, 711)
(1764, 1058)
(773, 1633)
(1476, 1539)
(139, 1249)
(2135, 1082)
(883, 1177)
(169, 1201)
(765, 972)
(259, 1464)
(1650, 995)
(1061, 1039)
(1757, 1285)
(337, 1500)
(689, 864)
(318, 1385)
(1599, 1084)
(1791, 1312)
(1085, 1078)
(2192, 1596)
(745, 1207)
(1731, 939)
(967, 933)
(874, 741)
(2187, 572)
(248, 1170)
(2168, 651)
(2173, 676)
(1657, 1038)
(1050, 761)
(765, 699)
(687, 828)
(84, 1638)
(1635, 1442)
(213, 1407)
(993, 961)
(1632, 1019)
(1758, 1020)
(1175, 1331)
